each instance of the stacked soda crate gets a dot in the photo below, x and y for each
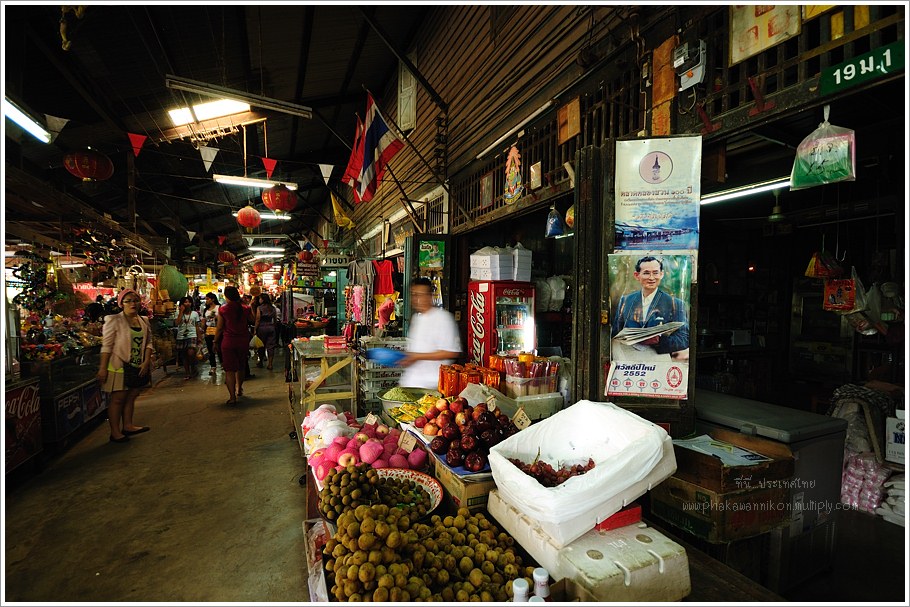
(375, 379)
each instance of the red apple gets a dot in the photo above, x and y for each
(461, 419)
(451, 432)
(431, 429)
(421, 421)
(444, 419)
(479, 410)
(468, 443)
(456, 406)
(382, 431)
(439, 445)
(442, 404)
(431, 413)
(454, 456)
(475, 462)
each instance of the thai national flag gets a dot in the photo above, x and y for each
(355, 162)
(379, 146)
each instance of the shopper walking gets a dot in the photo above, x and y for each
(126, 364)
(210, 319)
(189, 332)
(266, 316)
(232, 338)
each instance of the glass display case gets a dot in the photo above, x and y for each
(68, 391)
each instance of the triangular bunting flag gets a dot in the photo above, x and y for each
(221, 240)
(326, 170)
(208, 156)
(55, 124)
(137, 141)
(190, 234)
(269, 164)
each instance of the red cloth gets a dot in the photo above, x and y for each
(237, 319)
(383, 277)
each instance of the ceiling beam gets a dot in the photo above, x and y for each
(348, 76)
(306, 37)
(91, 99)
(22, 183)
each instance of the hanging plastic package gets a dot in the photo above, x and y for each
(570, 217)
(554, 223)
(827, 155)
(823, 265)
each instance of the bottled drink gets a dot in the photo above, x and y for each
(537, 599)
(541, 583)
(519, 590)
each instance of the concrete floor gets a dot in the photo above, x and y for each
(204, 507)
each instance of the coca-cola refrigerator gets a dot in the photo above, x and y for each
(500, 319)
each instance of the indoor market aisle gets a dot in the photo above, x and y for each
(204, 507)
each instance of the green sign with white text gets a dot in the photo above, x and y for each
(882, 61)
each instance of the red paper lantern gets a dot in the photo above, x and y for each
(226, 257)
(305, 256)
(249, 218)
(260, 266)
(89, 165)
(279, 199)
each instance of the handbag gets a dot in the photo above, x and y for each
(132, 378)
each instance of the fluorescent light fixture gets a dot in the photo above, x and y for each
(518, 126)
(207, 111)
(251, 181)
(269, 216)
(746, 190)
(14, 113)
(266, 103)
(269, 249)
(72, 265)
(569, 235)
(268, 256)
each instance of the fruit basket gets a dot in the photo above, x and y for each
(425, 481)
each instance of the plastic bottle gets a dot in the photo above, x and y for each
(541, 583)
(537, 599)
(519, 590)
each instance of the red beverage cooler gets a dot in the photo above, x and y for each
(500, 319)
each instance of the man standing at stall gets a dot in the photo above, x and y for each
(432, 339)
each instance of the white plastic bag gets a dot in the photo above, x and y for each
(624, 447)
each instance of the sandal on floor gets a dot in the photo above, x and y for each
(230, 402)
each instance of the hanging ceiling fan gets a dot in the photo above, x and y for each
(777, 214)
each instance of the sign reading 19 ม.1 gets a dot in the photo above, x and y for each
(883, 61)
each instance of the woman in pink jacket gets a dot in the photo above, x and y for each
(126, 341)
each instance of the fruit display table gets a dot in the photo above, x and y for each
(324, 376)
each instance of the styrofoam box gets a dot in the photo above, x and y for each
(491, 261)
(491, 273)
(522, 275)
(564, 532)
(632, 563)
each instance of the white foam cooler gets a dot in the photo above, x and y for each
(633, 563)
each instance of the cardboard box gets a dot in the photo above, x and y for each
(895, 439)
(720, 517)
(470, 492)
(710, 473)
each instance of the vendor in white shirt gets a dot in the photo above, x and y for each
(433, 339)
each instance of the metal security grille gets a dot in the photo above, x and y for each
(738, 95)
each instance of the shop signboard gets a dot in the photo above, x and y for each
(431, 254)
(307, 269)
(883, 61)
(23, 424)
(335, 261)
